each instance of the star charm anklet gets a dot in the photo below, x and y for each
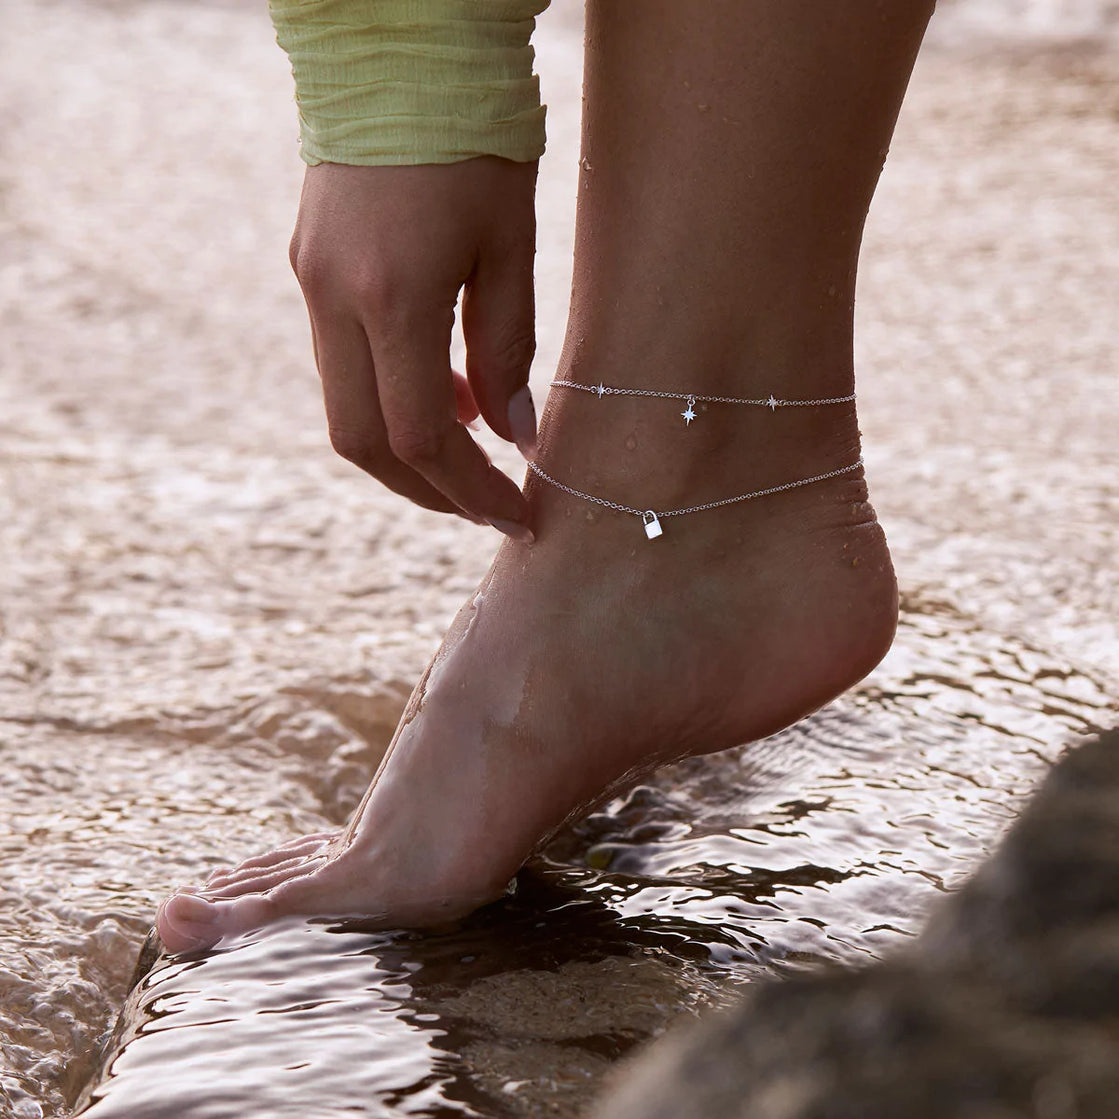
(692, 398)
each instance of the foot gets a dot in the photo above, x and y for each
(595, 654)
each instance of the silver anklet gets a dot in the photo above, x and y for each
(692, 398)
(652, 519)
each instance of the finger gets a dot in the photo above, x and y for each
(353, 412)
(420, 415)
(465, 403)
(498, 323)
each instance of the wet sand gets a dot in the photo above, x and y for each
(208, 624)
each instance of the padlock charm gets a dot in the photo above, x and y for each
(652, 525)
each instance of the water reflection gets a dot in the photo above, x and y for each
(825, 843)
(530, 1001)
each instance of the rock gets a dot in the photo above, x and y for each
(1007, 1006)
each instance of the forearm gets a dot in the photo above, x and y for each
(389, 82)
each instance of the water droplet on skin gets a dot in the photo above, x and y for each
(631, 442)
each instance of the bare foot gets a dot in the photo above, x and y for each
(596, 654)
(723, 191)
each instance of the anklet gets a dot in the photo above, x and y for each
(692, 398)
(652, 520)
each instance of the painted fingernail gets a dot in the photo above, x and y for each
(521, 533)
(522, 421)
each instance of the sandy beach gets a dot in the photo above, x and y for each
(209, 624)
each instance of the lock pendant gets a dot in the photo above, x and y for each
(652, 525)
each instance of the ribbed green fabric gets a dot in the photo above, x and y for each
(413, 81)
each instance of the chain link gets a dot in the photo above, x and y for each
(695, 508)
(769, 402)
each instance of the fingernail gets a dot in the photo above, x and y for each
(522, 421)
(521, 533)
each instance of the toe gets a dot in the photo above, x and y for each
(189, 923)
(271, 860)
(265, 878)
(244, 875)
(186, 922)
(292, 847)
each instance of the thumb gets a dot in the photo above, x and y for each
(498, 323)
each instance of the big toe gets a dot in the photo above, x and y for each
(189, 922)
(186, 922)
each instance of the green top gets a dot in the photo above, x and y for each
(413, 81)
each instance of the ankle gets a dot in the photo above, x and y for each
(800, 345)
(645, 452)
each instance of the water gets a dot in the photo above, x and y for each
(825, 843)
(202, 655)
(1045, 20)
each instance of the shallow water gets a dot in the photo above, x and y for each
(1026, 19)
(825, 843)
(202, 654)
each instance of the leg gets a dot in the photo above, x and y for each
(731, 149)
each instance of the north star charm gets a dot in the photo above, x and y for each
(690, 414)
(652, 525)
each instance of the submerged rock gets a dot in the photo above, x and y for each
(1007, 1006)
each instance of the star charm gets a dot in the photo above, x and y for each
(772, 403)
(601, 390)
(689, 415)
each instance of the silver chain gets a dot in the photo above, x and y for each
(694, 508)
(651, 517)
(771, 402)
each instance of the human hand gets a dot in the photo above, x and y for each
(381, 254)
